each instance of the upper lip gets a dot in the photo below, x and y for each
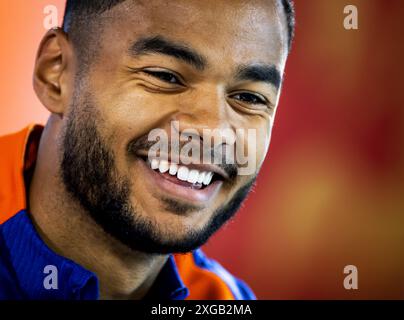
(198, 166)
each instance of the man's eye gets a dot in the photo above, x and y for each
(164, 76)
(249, 98)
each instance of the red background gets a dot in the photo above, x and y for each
(331, 191)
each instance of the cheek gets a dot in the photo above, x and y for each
(255, 145)
(265, 140)
(264, 137)
(132, 115)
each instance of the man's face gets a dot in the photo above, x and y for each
(204, 64)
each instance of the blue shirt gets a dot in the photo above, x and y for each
(24, 258)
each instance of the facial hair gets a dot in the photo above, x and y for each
(90, 176)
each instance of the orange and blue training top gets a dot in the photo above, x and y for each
(24, 257)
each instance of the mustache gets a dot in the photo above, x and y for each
(218, 152)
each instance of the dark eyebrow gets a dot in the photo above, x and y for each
(260, 72)
(161, 45)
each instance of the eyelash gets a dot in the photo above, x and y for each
(164, 75)
(257, 98)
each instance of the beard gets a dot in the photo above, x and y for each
(89, 173)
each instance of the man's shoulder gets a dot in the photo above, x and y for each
(13, 153)
(9, 287)
(16, 141)
(208, 279)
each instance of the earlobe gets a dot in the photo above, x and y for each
(51, 71)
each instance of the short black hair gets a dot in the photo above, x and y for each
(80, 11)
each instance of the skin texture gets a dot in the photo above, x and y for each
(127, 102)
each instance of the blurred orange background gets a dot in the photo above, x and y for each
(331, 192)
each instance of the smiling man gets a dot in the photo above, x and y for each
(86, 211)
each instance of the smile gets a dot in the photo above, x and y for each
(196, 178)
(190, 183)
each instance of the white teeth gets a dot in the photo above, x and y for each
(183, 173)
(208, 178)
(164, 166)
(193, 176)
(173, 169)
(154, 164)
(201, 176)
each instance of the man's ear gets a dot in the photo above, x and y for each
(53, 71)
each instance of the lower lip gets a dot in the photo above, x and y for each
(179, 191)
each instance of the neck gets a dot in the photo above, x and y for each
(69, 230)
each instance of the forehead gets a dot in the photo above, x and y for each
(224, 31)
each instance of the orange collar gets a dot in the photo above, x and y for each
(18, 154)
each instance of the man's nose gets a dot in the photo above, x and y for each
(206, 114)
